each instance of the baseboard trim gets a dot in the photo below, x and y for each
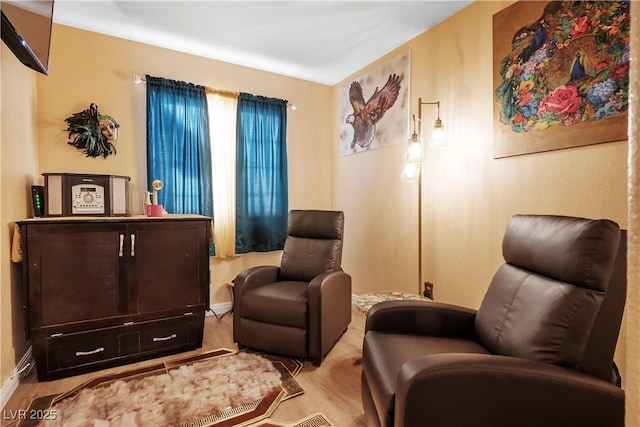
(226, 307)
(219, 309)
(11, 383)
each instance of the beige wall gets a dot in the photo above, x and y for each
(19, 162)
(630, 335)
(90, 68)
(468, 197)
(87, 67)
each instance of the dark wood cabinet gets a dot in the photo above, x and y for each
(109, 291)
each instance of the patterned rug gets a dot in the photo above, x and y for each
(218, 388)
(364, 302)
(314, 420)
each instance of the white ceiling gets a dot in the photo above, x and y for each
(319, 41)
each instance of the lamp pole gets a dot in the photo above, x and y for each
(420, 223)
(413, 167)
(420, 104)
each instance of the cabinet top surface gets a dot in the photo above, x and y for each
(75, 219)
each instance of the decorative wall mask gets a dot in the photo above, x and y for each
(93, 133)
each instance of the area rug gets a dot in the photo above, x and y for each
(219, 388)
(314, 420)
(366, 301)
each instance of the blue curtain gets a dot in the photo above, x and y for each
(262, 195)
(178, 146)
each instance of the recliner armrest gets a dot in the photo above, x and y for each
(250, 278)
(332, 285)
(256, 276)
(423, 318)
(328, 287)
(502, 390)
(330, 278)
(329, 305)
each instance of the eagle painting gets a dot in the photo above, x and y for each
(367, 114)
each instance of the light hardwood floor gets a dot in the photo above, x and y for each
(333, 388)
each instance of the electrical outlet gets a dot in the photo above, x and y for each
(428, 290)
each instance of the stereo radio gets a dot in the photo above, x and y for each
(71, 194)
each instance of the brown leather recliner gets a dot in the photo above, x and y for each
(302, 307)
(538, 351)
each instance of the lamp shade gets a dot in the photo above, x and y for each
(438, 136)
(410, 172)
(414, 151)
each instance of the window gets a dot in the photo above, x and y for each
(189, 130)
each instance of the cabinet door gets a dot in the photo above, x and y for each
(74, 272)
(169, 265)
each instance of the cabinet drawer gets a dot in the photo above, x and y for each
(169, 333)
(86, 348)
(78, 352)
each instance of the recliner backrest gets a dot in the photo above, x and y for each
(552, 299)
(313, 245)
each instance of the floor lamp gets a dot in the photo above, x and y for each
(412, 170)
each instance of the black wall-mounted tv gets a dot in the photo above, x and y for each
(26, 30)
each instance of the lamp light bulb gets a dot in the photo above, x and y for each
(438, 137)
(409, 173)
(414, 151)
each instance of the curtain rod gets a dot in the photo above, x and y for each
(139, 80)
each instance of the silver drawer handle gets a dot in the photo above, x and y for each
(120, 251)
(133, 245)
(170, 337)
(88, 353)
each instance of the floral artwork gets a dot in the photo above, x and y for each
(566, 68)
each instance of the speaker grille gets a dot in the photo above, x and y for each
(119, 199)
(54, 195)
